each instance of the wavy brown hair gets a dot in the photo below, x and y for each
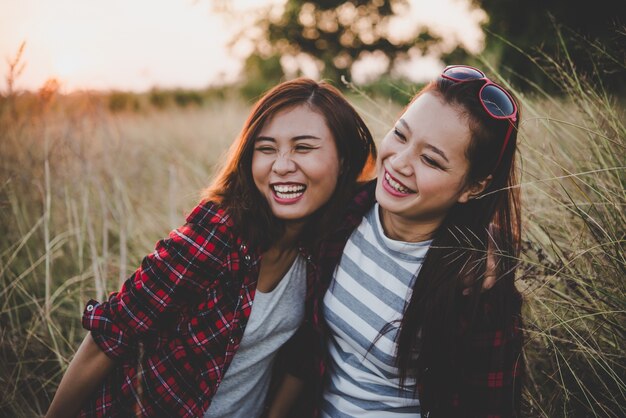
(234, 188)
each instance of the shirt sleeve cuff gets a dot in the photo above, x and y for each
(108, 336)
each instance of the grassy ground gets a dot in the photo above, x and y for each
(85, 193)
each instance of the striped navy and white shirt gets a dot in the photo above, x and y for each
(369, 290)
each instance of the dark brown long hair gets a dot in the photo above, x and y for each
(234, 188)
(431, 339)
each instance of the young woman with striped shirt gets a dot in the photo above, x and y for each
(409, 324)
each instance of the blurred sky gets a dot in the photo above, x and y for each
(139, 44)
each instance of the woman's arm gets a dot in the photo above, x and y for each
(86, 371)
(286, 395)
(174, 276)
(295, 376)
(496, 368)
(179, 270)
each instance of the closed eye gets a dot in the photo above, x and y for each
(399, 134)
(305, 148)
(265, 149)
(433, 163)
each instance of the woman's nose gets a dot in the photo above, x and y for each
(401, 162)
(283, 164)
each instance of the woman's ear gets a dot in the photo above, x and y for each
(474, 189)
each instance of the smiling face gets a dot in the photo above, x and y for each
(295, 163)
(422, 168)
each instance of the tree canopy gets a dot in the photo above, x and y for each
(590, 36)
(337, 33)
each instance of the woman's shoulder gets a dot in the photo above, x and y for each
(498, 312)
(363, 198)
(209, 221)
(209, 213)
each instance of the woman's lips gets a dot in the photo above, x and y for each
(394, 187)
(288, 193)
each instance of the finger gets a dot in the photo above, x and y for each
(490, 271)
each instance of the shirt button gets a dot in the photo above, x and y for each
(243, 247)
(89, 308)
(247, 258)
(232, 341)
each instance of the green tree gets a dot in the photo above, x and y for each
(589, 35)
(337, 33)
(261, 73)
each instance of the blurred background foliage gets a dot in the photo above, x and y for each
(590, 35)
(519, 35)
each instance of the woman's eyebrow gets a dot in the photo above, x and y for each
(404, 124)
(437, 151)
(299, 137)
(295, 138)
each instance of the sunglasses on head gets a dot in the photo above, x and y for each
(495, 100)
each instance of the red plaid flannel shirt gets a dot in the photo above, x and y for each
(493, 386)
(176, 323)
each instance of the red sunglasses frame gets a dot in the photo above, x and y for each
(512, 117)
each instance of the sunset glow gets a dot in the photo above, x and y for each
(167, 43)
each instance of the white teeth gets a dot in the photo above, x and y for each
(289, 195)
(289, 191)
(396, 185)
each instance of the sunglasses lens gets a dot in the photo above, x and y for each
(463, 73)
(497, 102)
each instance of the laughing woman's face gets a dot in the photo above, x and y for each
(422, 166)
(295, 164)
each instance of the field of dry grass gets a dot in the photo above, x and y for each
(85, 193)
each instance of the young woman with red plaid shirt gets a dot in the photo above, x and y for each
(415, 318)
(163, 344)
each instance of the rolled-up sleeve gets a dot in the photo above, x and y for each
(109, 337)
(178, 271)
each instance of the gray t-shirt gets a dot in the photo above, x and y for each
(275, 317)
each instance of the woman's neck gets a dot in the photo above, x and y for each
(291, 236)
(407, 230)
